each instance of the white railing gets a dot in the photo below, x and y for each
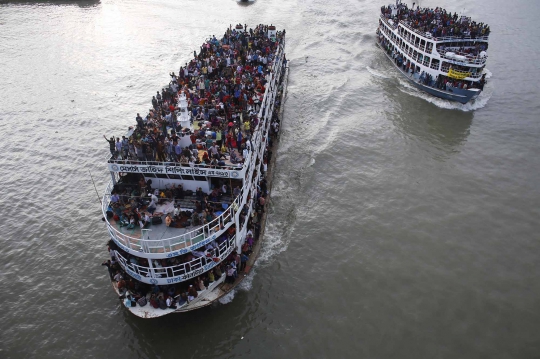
(429, 36)
(178, 273)
(176, 245)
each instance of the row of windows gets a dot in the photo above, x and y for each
(416, 55)
(415, 40)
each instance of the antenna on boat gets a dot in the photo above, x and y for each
(97, 194)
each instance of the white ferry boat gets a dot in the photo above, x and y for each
(190, 182)
(438, 52)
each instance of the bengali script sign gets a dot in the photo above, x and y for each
(176, 170)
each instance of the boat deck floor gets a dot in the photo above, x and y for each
(161, 231)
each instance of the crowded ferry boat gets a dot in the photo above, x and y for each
(441, 53)
(189, 180)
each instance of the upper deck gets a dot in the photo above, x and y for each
(436, 24)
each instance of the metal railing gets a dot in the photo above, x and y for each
(176, 245)
(178, 273)
(429, 36)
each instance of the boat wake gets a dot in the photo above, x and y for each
(477, 104)
(227, 298)
(274, 244)
(376, 74)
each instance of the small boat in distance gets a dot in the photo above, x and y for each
(439, 52)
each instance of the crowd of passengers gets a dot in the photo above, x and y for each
(135, 207)
(438, 22)
(224, 84)
(135, 293)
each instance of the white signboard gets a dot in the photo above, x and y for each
(176, 170)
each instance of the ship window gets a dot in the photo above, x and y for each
(160, 175)
(199, 178)
(150, 175)
(171, 176)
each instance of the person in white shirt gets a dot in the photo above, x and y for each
(145, 222)
(170, 303)
(118, 146)
(198, 254)
(118, 277)
(153, 203)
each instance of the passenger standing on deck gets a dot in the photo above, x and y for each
(118, 146)
(111, 144)
(153, 204)
(140, 122)
(125, 148)
(230, 275)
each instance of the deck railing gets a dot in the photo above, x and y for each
(156, 274)
(429, 36)
(176, 245)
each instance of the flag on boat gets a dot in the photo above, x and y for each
(458, 75)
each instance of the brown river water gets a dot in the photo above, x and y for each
(400, 226)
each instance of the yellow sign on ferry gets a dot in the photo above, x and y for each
(458, 75)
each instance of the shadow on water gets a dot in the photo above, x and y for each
(159, 336)
(245, 2)
(81, 3)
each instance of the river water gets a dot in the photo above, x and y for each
(401, 226)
